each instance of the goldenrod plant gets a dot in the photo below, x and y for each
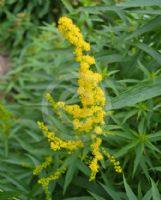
(85, 139)
(87, 118)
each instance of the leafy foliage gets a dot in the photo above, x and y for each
(125, 39)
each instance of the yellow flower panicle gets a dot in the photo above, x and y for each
(46, 180)
(44, 165)
(56, 143)
(115, 163)
(54, 105)
(94, 166)
(72, 34)
(92, 97)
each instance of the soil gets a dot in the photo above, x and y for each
(4, 64)
(4, 68)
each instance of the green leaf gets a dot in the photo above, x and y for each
(4, 195)
(139, 153)
(129, 114)
(148, 195)
(19, 184)
(150, 11)
(153, 24)
(156, 168)
(93, 187)
(153, 147)
(80, 198)
(145, 169)
(112, 193)
(83, 168)
(155, 192)
(114, 58)
(70, 172)
(129, 191)
(150, 51)
(155, 136)
(67, 5)
(126, 148)
(96, 197)
(143, 91)
(138, 3)
(100, 8)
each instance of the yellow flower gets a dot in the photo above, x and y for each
(115, 163)
(56, 143)
(90, 94)
(39, 168)
(72, 33)
(46, 180)
(52, 102)
(94, 166)
(88, 59)
(98, 129)
(60, 104)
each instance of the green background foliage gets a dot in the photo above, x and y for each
(126, 41)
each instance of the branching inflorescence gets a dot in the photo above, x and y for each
(87, 118)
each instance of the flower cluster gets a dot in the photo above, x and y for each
(97, 156)
(98, 152)
(45, 181)
(73, 35)
(42, 166)
(54, 105)
(116, 163)
(56, 143)
(90, 115)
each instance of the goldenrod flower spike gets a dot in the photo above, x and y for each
(51, 100)
(91, 114)
(94, 166)
(115, 163)
(46, 180)
(44, 165)
(57, 143)
(72, 34)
